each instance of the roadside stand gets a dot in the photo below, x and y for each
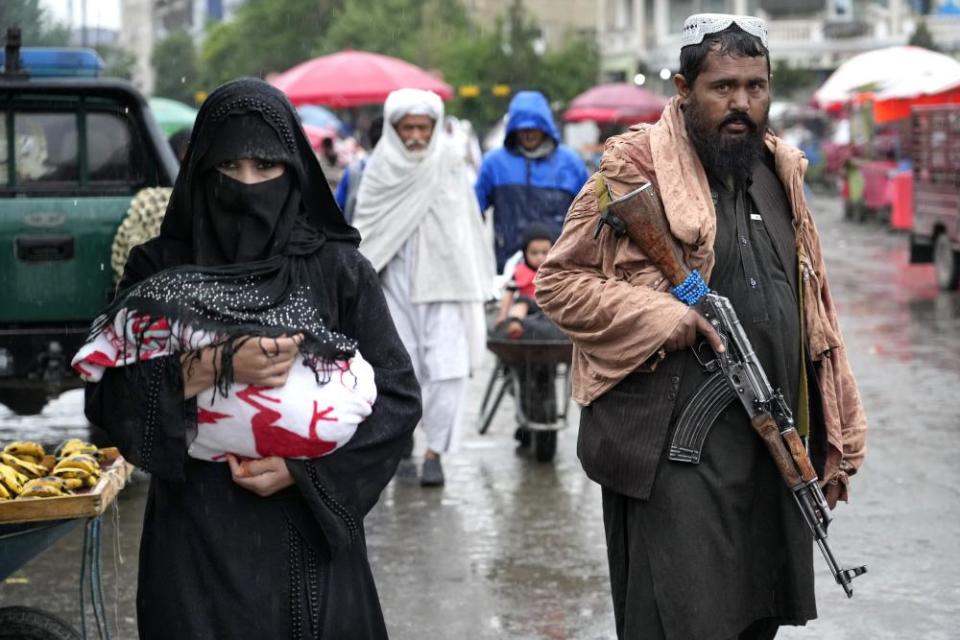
(44, 498)
(877, 90)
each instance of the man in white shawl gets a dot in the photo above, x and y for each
(422, 230)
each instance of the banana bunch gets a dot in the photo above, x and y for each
(11, 482)
(45, 487)
(74, 445)
(78, 470)
(25, 474)
(26, 450)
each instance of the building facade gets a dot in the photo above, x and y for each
(643, 36)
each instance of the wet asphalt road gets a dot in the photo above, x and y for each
(514, 549)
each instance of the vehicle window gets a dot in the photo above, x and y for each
(45, 148)
(112, 154)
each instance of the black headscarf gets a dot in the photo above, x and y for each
(238, 118)
(251, 271)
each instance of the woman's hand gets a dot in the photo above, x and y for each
(266, 362)
(264, 477)
(261, 362)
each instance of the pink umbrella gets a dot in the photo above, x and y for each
(353, 78)
(616, 103)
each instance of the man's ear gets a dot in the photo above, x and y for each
(683, 89)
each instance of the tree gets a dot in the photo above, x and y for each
(421, 31)
(174, 60)
(265, 36)
(117, 61)
(788, 81)
(37, 29)
(921, 37)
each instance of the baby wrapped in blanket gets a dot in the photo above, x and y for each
(329, 391)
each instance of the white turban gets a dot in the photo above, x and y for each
(412, 102)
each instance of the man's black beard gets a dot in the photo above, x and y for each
(723, 155)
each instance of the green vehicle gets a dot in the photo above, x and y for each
(74, 149)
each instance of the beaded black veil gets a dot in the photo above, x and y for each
(280, 294)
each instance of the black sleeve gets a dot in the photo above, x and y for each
(342, 487)
(141, 406)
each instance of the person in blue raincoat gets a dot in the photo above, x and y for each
(532, 178)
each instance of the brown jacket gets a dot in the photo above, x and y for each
(614, 304)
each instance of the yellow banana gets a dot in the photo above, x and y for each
(24, 466)
(26, 450)
(4, 493)
(74, 446)
(80, 461)
(46, 487)
(12, 478)
(75, 478)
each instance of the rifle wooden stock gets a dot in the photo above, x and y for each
(799, 454)
(766, 428)
(641, 212)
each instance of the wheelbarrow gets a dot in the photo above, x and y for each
(531, 371)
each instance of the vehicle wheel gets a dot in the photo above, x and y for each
(544, 445)
(24, 403)
(947, 263)
(27, 623)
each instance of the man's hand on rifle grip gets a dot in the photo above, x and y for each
(685, 333)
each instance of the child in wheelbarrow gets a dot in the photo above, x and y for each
(519, 296)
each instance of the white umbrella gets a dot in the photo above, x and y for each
(903, 68)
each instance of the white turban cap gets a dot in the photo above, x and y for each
(412, 102)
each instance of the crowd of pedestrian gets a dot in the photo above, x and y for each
(282, 256)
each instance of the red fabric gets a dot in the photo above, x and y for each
(354, 78)
(876, 179)
(885, 111)
(205, 416)
(523, 279)
(901, 217)
(273, 440)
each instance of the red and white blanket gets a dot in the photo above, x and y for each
(302, 419)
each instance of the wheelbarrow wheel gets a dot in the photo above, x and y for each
(544, 445)
(27, 623)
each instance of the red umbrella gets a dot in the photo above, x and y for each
(616, 103)
(354, 78)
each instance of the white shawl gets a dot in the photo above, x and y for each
(427, 198)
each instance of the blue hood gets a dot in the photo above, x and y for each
(530, 110)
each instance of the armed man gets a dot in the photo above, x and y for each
(692, 223)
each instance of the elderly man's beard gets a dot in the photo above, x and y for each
(724, 155)
(416, 148)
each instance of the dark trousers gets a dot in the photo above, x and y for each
(631, 581)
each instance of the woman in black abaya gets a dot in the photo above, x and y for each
(272, 548)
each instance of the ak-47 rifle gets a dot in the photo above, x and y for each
(737, 371)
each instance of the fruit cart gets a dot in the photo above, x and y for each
(29, 527)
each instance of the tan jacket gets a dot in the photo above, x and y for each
(614, 304)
